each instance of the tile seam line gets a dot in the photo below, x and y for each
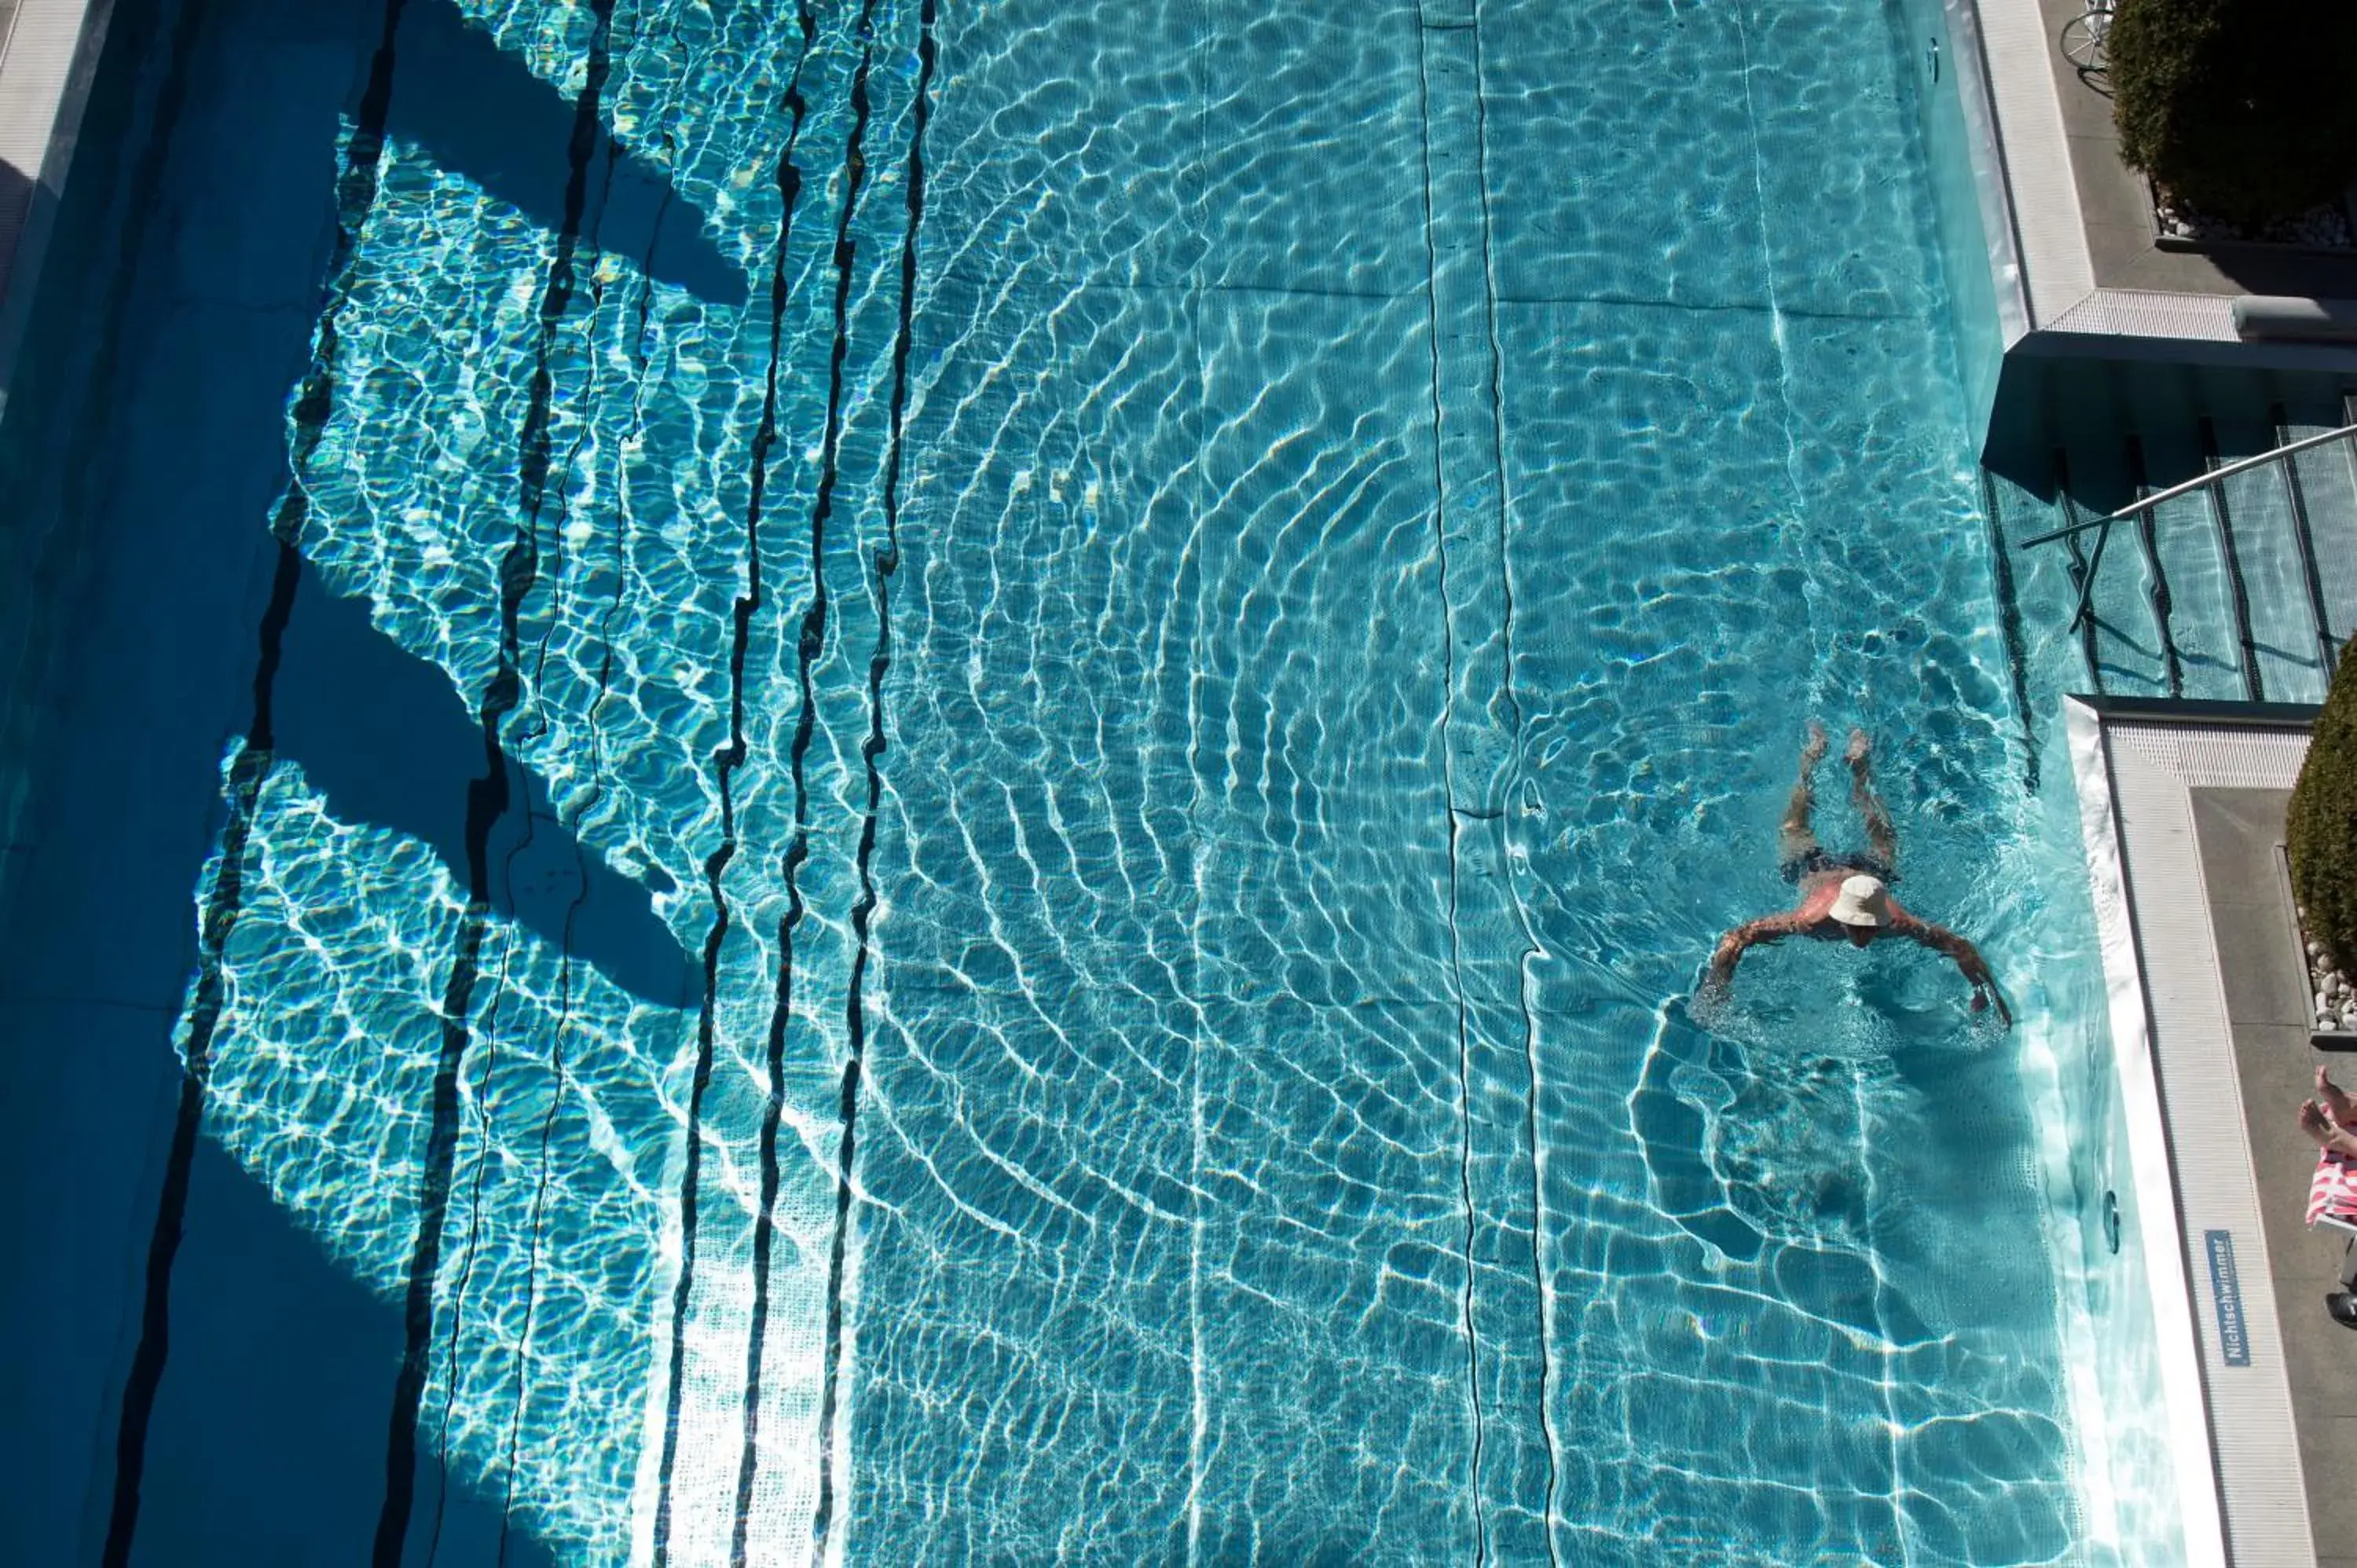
(1200, 1452)
(1550, 1439)
(1502, 297)
(490, 799)
(1449, 792)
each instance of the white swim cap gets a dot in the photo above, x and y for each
(1862, 901)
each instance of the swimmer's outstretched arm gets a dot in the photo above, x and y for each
(1975, 969)
(1732, 947)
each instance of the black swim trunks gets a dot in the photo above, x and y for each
(1813, 861)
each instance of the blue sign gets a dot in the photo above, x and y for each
(2226, 1291)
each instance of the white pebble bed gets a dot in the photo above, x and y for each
(2326, 226)
(2331, 1000)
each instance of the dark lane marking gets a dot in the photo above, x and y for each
(2295, 494)
(483, 1098)
(487, 802)
(356, 192)
(467, 1255)
(790, 186)
(871, 752)
(727, 761)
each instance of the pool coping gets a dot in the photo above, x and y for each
(2090, 283)
(2233, 1435)
(49, 59)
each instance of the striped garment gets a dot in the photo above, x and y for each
(2332, 1194)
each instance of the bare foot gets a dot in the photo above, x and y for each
(1812, 749)
(2312, 1122)
(1858, 748)
(2337, 1105)
(2322, 1132)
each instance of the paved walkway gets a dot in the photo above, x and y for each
(2182, 805)
(2239, 832)
(2118, 208)
(2095, 278)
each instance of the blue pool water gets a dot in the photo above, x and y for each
(950, 773)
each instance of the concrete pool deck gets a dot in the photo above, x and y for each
(2239, 832)
(2091, 276)
(2183, 809)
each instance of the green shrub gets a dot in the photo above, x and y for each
(2320, 830)
(2243, 109)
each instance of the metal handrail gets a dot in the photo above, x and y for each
(2148, 506)
(2240, 466)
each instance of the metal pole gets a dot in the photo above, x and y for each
(2197, 482)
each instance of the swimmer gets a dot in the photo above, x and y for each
(1846, 896)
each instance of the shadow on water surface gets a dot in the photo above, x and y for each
(295, 1352)
(146, 449)
(401, 758)
(480, 113)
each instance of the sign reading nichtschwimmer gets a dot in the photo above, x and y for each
(2226, 1291)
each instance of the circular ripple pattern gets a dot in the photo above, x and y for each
(1378, 489)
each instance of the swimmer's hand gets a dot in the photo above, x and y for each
(1975, 970)
(1985, 992)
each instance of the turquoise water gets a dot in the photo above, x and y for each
(967, 761)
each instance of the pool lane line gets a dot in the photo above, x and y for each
(2304, 542)
(356, 193)
(871, 752)
(2222, 520)
(1448, 791)
(809, 643)
(470, 1253)
(488, 800)
(790, 183)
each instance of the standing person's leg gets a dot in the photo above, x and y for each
(1795, 838)
(1881, 842)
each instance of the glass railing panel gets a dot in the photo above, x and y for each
(2200, 603)
(2328, 484)
(2275, 585)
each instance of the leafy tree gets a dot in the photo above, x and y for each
(2321, 826)
(2243, 109)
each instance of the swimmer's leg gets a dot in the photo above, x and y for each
(1881, 840)
(1795, 838)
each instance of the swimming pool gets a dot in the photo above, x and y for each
(951, 774)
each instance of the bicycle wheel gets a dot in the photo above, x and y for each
(2082, 39)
